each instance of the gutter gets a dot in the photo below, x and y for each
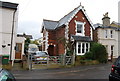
(12, 34)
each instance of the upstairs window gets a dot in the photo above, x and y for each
(111, 33)
(79, 28)
(106, 34)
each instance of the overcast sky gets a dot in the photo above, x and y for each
(32, 12)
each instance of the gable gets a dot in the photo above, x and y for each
(67, 18)
(79, 17)
(52, 25)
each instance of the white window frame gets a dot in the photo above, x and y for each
(81, 43)
(106, 33)
(111, 34)
(81, 23)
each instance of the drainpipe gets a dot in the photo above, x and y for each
(12, 35)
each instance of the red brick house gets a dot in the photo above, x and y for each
(75, 27)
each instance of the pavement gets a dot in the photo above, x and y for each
(100, 71)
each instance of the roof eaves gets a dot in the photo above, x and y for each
(88, 18)
(49, 21)
(80, 8)
(8, 5)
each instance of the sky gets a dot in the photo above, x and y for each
(32, 12)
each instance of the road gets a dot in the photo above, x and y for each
(100, 71)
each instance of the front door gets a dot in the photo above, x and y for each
(51, 50)
(18, 52)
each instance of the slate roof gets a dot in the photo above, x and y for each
(49, 24)
(8, 5)
(115, 23)
(24, 35)
(115, 28)
(82, 38)
(66, 17)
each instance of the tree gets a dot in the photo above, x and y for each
(27, 42)
(35, 42)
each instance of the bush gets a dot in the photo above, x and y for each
(97, 52)
(89, 55)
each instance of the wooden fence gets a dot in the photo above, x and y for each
(49, 61)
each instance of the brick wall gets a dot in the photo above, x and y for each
(60, 33)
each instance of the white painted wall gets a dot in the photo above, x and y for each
(118, 43)
(109, 41)
(6, 21)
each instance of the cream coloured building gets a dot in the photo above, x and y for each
(108, 35)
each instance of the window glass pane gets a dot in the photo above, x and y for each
(17, 48)
(105, 33)
(79, 28)
(83, 47)
(112, 48)
(79, 48)
(111, 32)
(86, 47)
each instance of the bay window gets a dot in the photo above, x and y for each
(82, 48)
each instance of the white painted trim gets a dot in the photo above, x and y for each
(81, 47)
(91, 30)
(46, 45)
(85, 47)
(80, 8)
(83, 28)
(66, 31)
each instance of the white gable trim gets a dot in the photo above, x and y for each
(80, 8)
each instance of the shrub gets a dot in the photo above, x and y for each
(89, 55)
(97, 52)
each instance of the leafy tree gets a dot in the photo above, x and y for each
(27, 42)
(35, 42)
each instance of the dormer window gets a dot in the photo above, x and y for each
(79, 28)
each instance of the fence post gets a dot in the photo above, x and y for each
(73, 59)
(47, 61)
(63, 59)
(30, 61)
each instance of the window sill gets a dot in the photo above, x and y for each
(80, 53)
(80, 34)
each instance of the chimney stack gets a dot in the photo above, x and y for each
(106, 20)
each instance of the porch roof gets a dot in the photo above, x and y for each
(82, 38)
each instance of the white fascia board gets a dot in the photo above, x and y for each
(73, 15)
(42, 27)
(80, 8)
(88, 18)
